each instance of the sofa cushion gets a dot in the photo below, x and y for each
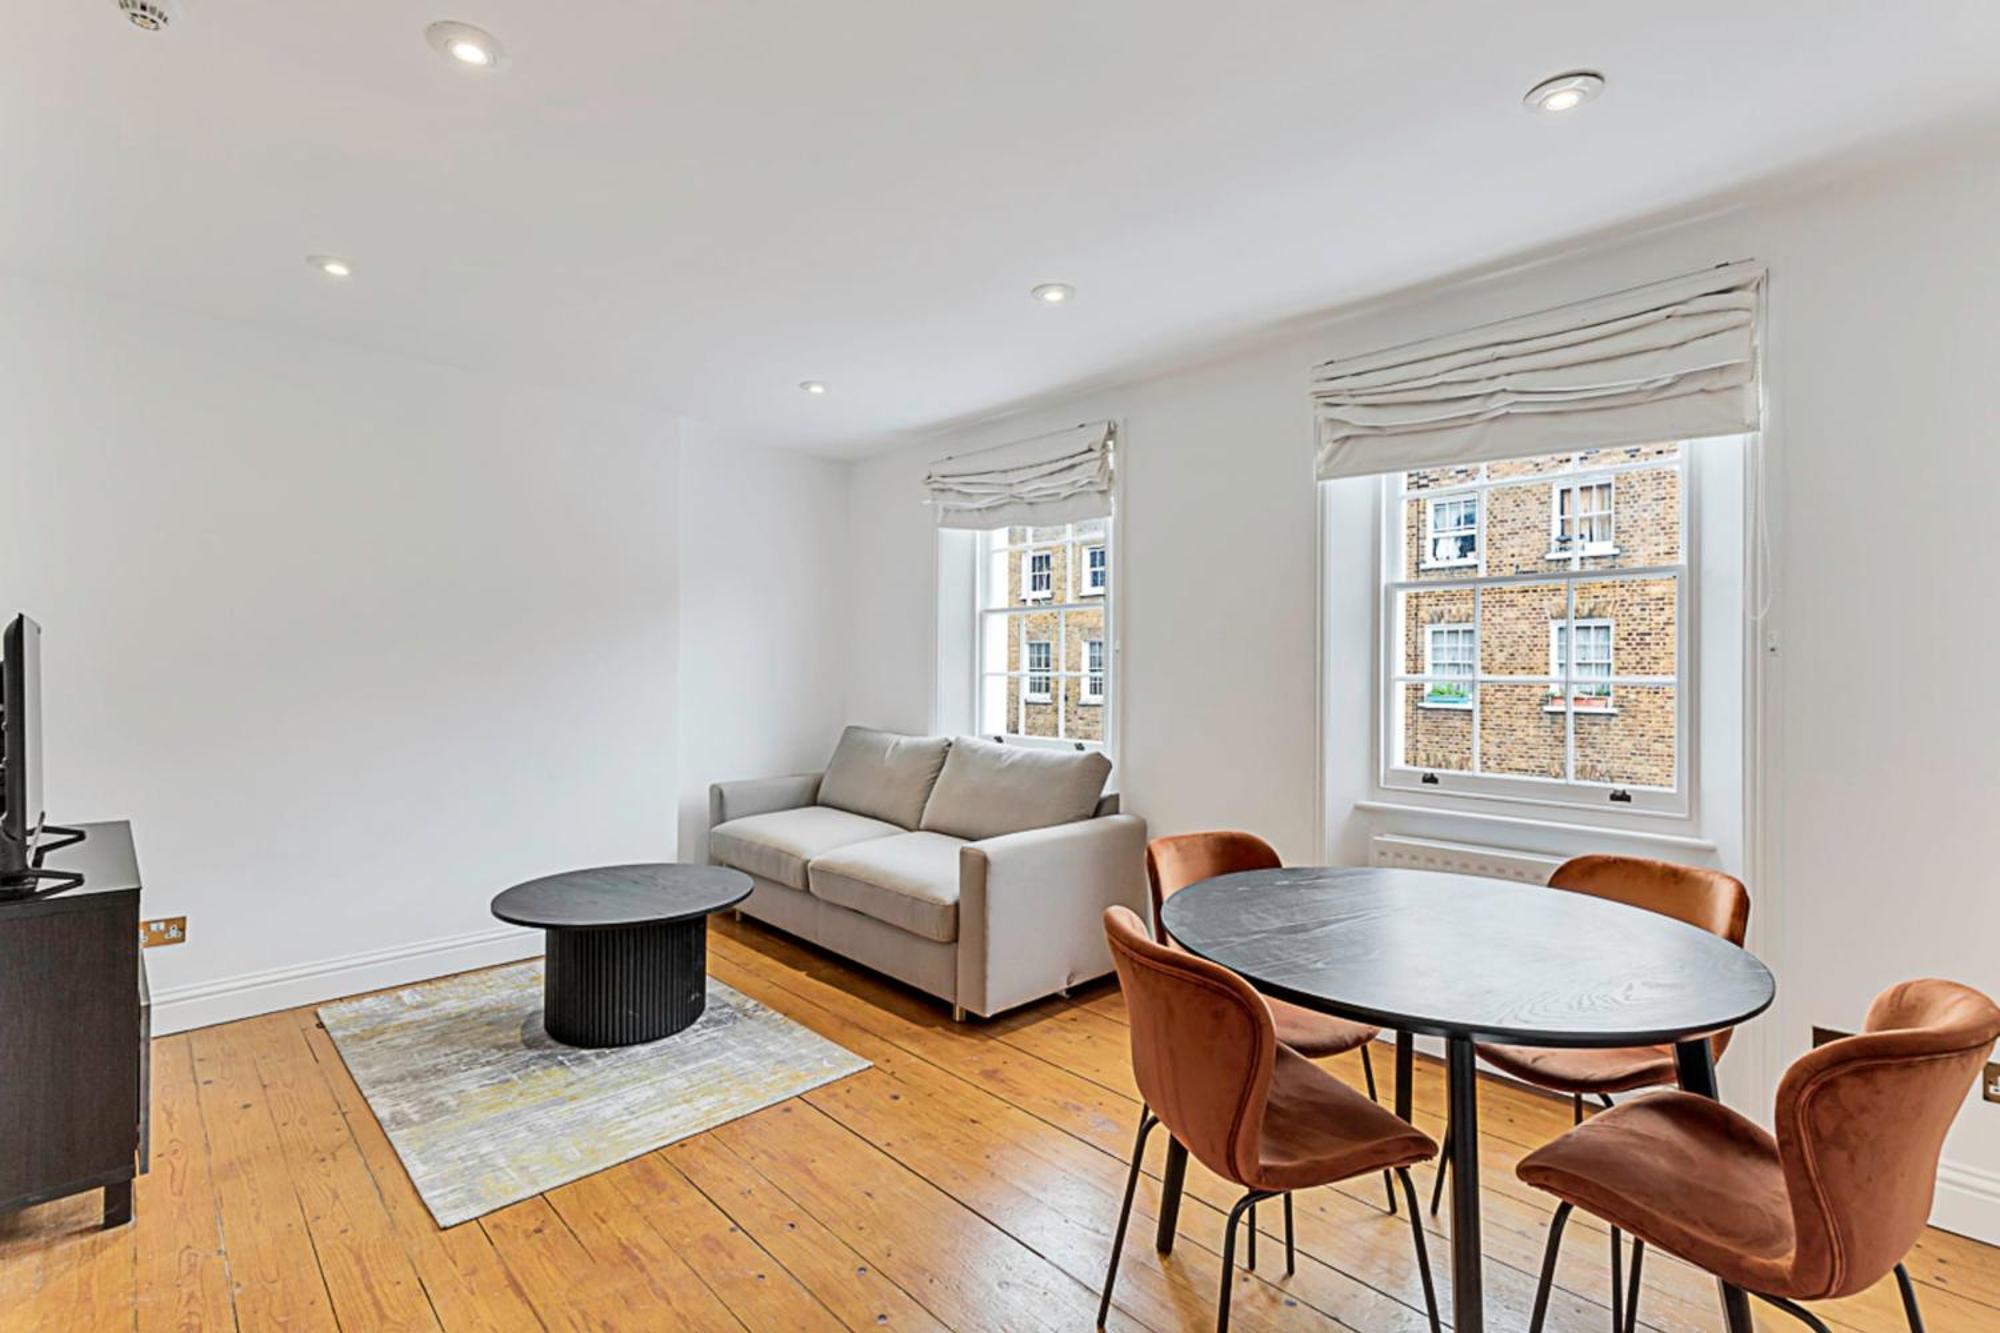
(883, 775)
(986, 789)
(777, 846)
(909, 881)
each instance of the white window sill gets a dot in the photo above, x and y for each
(1089, 702)
(1467, 563)
(1558, 709)
(1091, 592)
(1465, 707)
(1588, 553)
(1415, 808)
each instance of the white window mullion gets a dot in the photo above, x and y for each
(1478, 655)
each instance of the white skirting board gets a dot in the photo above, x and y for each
(1967, 1201)
(178, 1008)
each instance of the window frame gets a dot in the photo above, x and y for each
(1563, 547)
(1086, 696)
(1030, 673)
(1568, 793)
(1470, 675)
(1561, 630)
(1096, 573)
(986, 614)
(1030, 555)
(1477, 528)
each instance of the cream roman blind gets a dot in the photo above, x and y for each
(1051, 479)
(1672, 360)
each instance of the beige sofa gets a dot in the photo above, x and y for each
(975, 871)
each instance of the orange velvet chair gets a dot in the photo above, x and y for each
(1209, 1065)
(1715, 902)
(1188, 858)
(1825, 1209)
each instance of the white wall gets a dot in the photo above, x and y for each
(354, 641)
(763, 616)
(1881, 781)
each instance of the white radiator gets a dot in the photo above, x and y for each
(1406, 853)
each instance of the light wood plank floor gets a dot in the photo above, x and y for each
(970, 1180)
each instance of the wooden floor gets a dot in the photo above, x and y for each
(969, 1180)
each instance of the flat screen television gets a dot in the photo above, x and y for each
(21, 811)
(26, 836)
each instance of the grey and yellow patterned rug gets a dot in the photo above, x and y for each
(486, 1110)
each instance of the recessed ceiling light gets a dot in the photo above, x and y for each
(149, 15)
(812, 386)
(331, 265)
(1565, 92)
(1053, 293)
(463, 44)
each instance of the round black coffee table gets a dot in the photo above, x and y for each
(627, 947)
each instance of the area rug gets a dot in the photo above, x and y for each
(486, 1110)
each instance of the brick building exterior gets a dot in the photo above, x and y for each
(1057, 654)
(1560, 515)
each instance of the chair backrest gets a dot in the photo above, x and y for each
(1708, 899)
(1861, 1123)
(1188, 858)
(1202, 1046)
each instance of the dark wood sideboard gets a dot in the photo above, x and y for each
(75, 1032)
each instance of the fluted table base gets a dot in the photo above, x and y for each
(621, 985)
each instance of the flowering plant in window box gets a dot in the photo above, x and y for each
(1587, 699)
(1447, 696)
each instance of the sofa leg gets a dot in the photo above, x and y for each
(958, 1013)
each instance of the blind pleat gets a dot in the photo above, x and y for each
(1674, 360)
(1052, 479)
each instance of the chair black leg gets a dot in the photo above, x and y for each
(1639, 1255)
(1423, 1256)
(1909, 1290)
(1252, 1265)
(1444, 1169)
(1617, 1281)
(1556, 1224)
(1146, 1123)
(1291, 1251)
(1576, 1104)
(1243, 1205)
(1368, 1074)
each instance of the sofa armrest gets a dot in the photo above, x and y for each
(1031, 907)
(760, 796)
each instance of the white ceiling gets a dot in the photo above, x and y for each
(699, 203)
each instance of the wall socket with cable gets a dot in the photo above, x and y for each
(1989, 1087)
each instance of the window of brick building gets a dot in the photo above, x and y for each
(1038, 578)
(1043, 606)
(1096, 570)
(1582, 516)
(1451, 661)
(1530, 656)
(1589, 670)
(1041, 670)
(1452, 524)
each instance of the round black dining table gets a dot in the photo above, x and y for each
(1471, 959)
